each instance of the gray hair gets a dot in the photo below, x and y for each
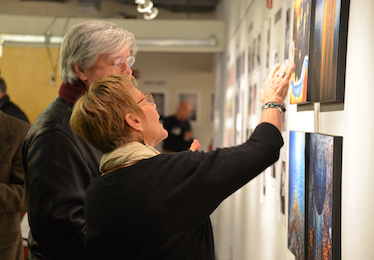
(85, 41)
(2, 85)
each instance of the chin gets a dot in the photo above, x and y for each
(161, 139)
(166, 134)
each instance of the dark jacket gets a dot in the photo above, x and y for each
(59, 165)
(159, 208)
(12, 186)
(11, 109)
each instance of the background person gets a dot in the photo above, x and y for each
(149, 205)
(59, 165)
(179, 129)
(12, 186)
(7, 106)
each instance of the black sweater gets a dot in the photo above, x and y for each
(159, 208)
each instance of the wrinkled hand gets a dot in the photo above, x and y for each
(276, 85)
(195, 145)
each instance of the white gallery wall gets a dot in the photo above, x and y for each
(248, 225)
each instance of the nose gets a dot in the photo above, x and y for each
(126, 70)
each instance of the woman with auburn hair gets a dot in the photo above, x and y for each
(148, 205)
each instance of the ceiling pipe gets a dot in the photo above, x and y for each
(56, 40)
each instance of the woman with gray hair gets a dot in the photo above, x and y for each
(58, 164)
(148, 205)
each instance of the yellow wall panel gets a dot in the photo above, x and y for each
(27, 73)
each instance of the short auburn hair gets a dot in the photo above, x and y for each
(99, 115)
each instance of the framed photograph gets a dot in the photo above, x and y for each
(238, 120)
(328, 50)
(249, 58)
(229, 134)
(297, 195)
(314, 221)
(161, 99)
(282, 190)
(253, 48)
(324, 203)
(193, 97)
(229, 116)
(258, 51)
(287, 30)
(252, 99)
(253, 103)
(231, 75)
(274, 54)
(278, 16)
(272, 174)
(212, 106)
(272, 171)
(267, 33)
(263, 188)
(300, 51)
(239, 67)
(244, 108)
(254, 54)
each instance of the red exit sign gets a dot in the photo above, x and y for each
(269, 3)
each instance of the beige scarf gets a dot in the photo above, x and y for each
(127, 154)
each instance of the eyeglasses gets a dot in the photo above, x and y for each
(118, 62)
(149, 98)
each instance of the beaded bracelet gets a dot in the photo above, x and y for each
(273, 104)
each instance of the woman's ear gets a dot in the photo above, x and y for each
(134, 121)
(80, 73)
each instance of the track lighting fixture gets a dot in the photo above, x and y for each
(151, 15)
(146, 7)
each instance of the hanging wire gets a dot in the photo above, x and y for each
(54, 64)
